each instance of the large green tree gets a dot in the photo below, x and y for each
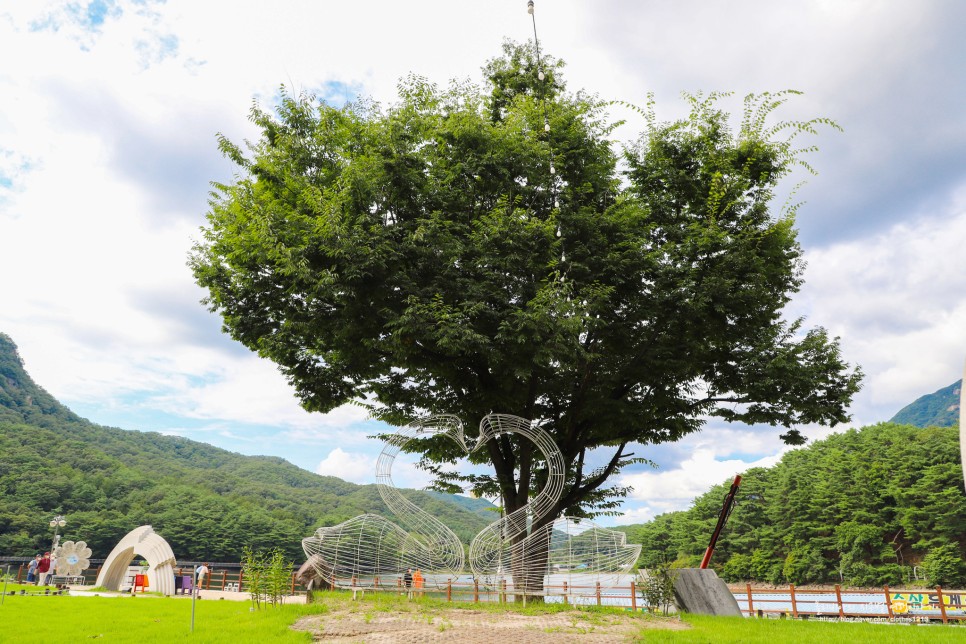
(475, 249)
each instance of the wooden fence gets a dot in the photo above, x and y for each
(887, 603)
(474, 591)
(919, 604)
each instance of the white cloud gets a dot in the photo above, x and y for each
(348, 466)
(639, 514)
(675, 489)
(360, 467)
(897, 301)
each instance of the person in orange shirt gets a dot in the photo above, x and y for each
(418, 582)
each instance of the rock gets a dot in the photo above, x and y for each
(702, 592)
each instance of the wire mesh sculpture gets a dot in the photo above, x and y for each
(534, 557)
(523, 553)
(368, 547)
(490, 550)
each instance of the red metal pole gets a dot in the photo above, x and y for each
(725, 511)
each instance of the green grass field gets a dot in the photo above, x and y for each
(149, 619)
(715, 630)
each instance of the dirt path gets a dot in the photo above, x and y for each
(370, 625)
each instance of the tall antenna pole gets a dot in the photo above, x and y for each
(962, 421)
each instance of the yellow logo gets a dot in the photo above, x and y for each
(899, 606)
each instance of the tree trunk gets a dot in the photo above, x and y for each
(529, 565)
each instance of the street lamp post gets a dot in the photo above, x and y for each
(57, 522)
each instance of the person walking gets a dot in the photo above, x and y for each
(32, 569)
(408, 582)
(42, 568)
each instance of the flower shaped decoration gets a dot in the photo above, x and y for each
(72, 558)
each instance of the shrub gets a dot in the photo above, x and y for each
(867, 575)
(944, 565)
(658, 587)
(803, 565)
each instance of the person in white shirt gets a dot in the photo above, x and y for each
(200, 573)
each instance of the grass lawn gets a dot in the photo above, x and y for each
(147, 619)
(715, 630)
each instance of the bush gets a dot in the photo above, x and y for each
(253, 567)
(738, 568)
(658, 588)
(267, 575)
(762, 566)
(867, 575)
(803, 565)
(944, 565)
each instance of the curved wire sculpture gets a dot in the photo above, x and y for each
(490, 549)
(360, 551)
(519, 553)
(565, 554)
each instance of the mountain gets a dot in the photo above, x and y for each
(476, 505)
(21, 400)
(939, 409)
(208, 503)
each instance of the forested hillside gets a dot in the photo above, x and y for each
(938, 409)
(860, 508)
(208, 503)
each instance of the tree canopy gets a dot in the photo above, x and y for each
(487, 248)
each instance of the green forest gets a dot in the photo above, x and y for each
(879, 505)
(208, 503)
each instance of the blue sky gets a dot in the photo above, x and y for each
(108, 116)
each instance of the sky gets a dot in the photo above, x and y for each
(109, 112)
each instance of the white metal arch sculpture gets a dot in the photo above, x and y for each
(371, 550)
(145, 542)
(369, 547)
